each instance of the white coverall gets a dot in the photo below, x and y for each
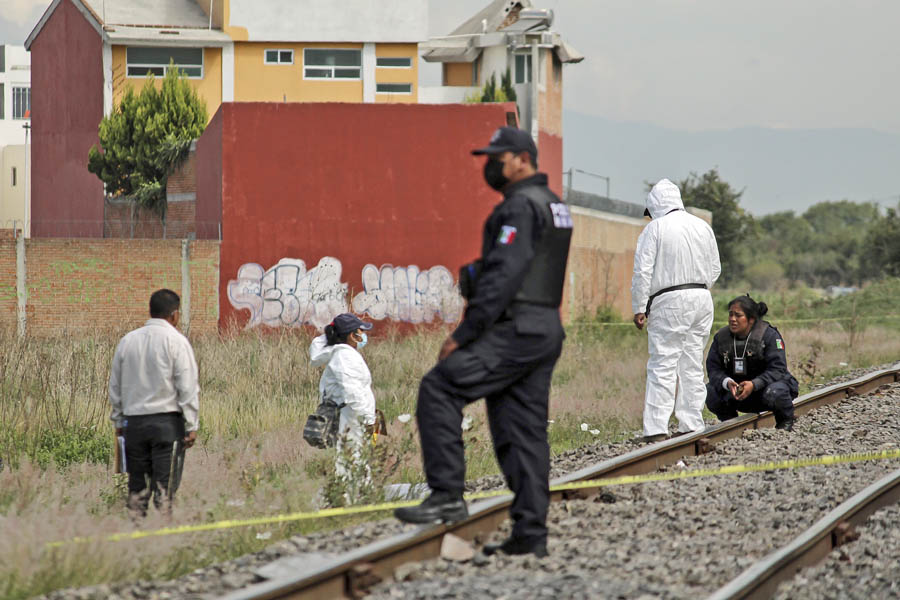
(346, 379)
(675, 248)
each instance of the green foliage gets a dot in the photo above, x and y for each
(145, 137)
(491, 93)
(731, 224)
(881, 248)
(72, 445)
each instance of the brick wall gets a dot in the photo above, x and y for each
(124, 219)
(77, 284)
(8, 282)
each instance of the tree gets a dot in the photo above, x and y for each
(491, 93)
(146, 137)
(731, 224)
(881, 249)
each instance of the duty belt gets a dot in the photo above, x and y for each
(674, 288)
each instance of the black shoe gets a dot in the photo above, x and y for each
(515, 545)
(436, 508)
(787, 425)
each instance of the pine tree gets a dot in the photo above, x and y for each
(145, 137)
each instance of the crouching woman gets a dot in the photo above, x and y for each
(347, 381)
(747, 367)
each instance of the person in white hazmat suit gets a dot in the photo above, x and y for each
(675, 264)
(347, 380)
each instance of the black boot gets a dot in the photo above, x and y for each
(787, 424)
(515, 545)
(436, 508)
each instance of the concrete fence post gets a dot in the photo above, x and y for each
(21, 285)
(186, 286)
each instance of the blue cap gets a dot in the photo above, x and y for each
(347, 323)
(509, 139)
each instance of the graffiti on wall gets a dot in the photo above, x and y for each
(407, 294)
(289, 295)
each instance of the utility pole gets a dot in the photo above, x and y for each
(25, 227)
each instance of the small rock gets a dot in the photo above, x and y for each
(456, 549)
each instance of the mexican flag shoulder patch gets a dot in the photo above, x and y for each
(507, 235)
(779, 344)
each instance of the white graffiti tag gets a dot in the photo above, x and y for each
(288, 294)
(406, 294)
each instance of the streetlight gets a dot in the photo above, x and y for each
(573, 170)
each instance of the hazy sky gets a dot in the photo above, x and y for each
(700, 64)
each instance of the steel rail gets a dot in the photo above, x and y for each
(352, 573)
(834, 529)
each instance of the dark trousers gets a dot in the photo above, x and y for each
(151, 444)
(512, 371)
(777, 397)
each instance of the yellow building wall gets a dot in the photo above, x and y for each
(209, 88)
(255, 81)
(395, 75)
(459, 74)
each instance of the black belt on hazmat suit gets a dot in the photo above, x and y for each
(674, 288)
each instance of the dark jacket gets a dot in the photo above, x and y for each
(765, 364)
(512, 234)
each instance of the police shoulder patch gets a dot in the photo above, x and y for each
(562, 218)
(779, 344)
(507, 235)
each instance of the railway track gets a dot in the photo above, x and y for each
(357, 571)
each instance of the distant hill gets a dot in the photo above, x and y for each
(780, 169)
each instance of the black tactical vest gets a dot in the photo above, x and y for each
(544, 281)
(755, 354)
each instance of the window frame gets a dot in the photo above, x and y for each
(16, 103)
(266, 60)
(409, 93)
(409, 58)
(526, 66)
(323, 67)
(165, 67)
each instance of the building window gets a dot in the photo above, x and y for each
(279, 57)
(14, 177)
(332, 64)
(557, 69)
(146, 61)
(523, 68)
(393, 63)
(21, 100)
(393, 88)
(2, 100)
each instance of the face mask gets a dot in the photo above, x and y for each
(493, 174)
(364, 339)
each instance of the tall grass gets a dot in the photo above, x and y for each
(256, 389)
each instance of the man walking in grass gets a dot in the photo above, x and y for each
(154, 392)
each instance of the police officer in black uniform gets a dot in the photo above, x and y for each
(747, 367)
(504, 350)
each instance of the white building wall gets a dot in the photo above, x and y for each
(16, 72)
(344, 21)
(12, 196)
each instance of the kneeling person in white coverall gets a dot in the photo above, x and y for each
(675, 264)
(347, 380)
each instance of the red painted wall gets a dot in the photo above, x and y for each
(66, 108)
(208, 169)
(365, 183)
(550, 159)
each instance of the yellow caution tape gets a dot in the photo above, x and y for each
(774, 320)
(580, 485)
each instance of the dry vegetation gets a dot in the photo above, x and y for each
(257, 388)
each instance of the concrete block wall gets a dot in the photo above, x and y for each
(83, 284)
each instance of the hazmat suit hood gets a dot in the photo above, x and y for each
(663, 199)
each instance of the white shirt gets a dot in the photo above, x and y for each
(347, 380)
(675, 248)
(154, 371)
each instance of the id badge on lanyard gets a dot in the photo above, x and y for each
(739, 367)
